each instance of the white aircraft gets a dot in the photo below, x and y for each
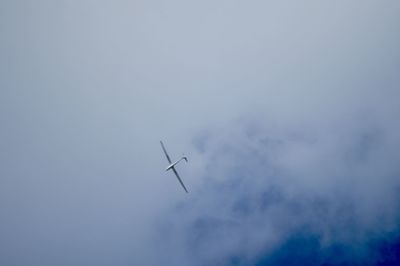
(172, 165)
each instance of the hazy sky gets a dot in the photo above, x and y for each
(288, 112)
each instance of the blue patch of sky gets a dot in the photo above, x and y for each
(307, 249)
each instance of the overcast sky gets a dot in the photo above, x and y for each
(288, 112)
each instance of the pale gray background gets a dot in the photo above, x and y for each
(287, 110)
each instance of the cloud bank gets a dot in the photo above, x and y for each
(265, 185)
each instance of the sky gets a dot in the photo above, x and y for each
(287, 111)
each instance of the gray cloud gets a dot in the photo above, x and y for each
(263, 187)
(279, 106)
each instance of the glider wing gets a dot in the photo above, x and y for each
(180, 180)
(165, 151)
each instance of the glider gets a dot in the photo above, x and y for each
(172, 165)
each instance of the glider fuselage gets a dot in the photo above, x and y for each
(175, 163)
